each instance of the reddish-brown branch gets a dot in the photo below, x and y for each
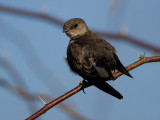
(60, 23)
(21, 89)
(55, 102)
(138, 63)
(34, 97)
(79, 87)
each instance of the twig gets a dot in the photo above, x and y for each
(138, 63)
(55, 102)
(33, 97)
(59, 22)
(42, 100)
(79, 87)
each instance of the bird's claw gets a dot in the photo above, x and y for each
(84, 82)
(83, 91)
(83, 85)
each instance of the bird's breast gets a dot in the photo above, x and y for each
(74, 56)
(75, 51)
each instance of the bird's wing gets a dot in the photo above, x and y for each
(96, 59)
(105, 66)
(102, 85)
(95, 65)
(120, 66)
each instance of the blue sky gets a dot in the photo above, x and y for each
(37, 48)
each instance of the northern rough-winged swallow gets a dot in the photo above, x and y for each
(91, 57)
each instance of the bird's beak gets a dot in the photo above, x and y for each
(65, 30)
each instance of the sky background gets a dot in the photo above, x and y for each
(34, 50)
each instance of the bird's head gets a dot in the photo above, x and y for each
(75, 27)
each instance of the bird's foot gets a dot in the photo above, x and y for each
(84, 84)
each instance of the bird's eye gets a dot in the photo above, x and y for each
(76, 25)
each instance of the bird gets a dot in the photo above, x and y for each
(92, 57)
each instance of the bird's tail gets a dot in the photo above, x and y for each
(102, 85)
(122, 69)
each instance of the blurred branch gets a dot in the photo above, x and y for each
(32, 58)
(34, 97)
(31, 14)
(59, 22)
(79, 87)
(17, 90)
(130, 39)
(113, 5)
(21, 90)
(13, 73)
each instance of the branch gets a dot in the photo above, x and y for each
(79, 87)
(34, 97)
(37, 68)
(60, 23)
(22, 90)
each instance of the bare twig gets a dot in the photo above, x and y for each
(79, 87)
(59, 22)
(55, 102)
(42, 100)
(34, 97)
(138, 63)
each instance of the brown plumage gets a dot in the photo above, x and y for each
(92, 57)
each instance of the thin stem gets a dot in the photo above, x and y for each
(55, 102)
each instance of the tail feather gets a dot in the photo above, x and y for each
(102, 85)
(122, 69)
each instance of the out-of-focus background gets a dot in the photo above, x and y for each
(33, 48)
